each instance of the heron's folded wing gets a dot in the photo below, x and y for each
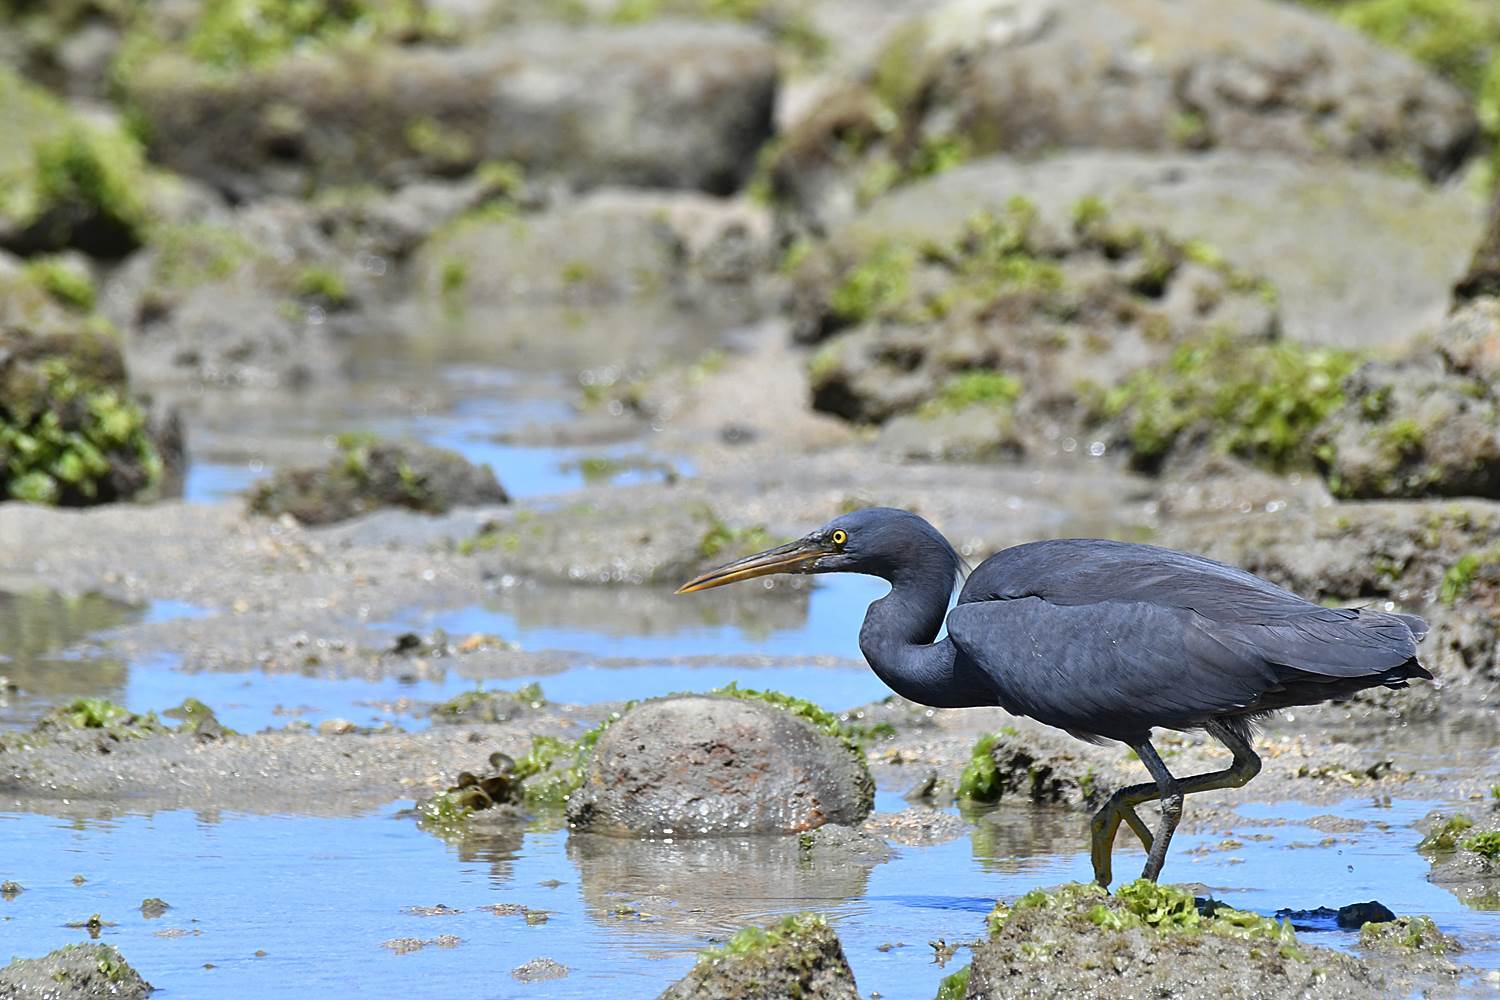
(1113, 668)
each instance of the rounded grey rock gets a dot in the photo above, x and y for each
(697, 766)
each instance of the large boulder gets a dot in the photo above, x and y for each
(610, 245)
(368, 474)
(660, 105)
(799, 956)
(641, 540)
(76, 972)
(1357, 258)
(976, 77)
(695, 766)
(1427, 424)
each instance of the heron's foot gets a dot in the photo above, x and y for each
(1106, 824)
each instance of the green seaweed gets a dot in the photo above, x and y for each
(1262, 402)
(1459, 577)
(754, 940)
(62, 434)
(1167, 909)
(319, 281)
(973, 388)
(1445, 836)
(952, 987)
(1407, 934)
(233, 35)
(65, 280)
(1486, 845)
(719, 539)
(980, 781)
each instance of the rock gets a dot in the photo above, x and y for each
(1037, 766)
(274, 294)
(1348, 552)
(1353, 916)
(609, 245)
(1153, 940)
(1412, 430)
(1350, 917)
(649, 542)
(976, 77)
(662, 105)
(1009, 323)
(77, 972)
(539, 970)
(1465, 857)
(368, 474)
(1356, 258)
(1468, 341)
(71, 431)
(487, 706)
(694, 766)
(798, 957)
(68, 181)
(1408, 935)
(1483, 276)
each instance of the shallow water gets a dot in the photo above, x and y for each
(472, 409)
(319, 896)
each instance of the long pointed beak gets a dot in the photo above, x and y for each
(793, 557)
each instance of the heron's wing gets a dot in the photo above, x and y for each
(1090, 570)
(1118, 668)
(1081, 571)
(1115, 669)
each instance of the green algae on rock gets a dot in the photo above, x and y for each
(66, 182)
(1077, 940)
(1263, 402)
(1408, 934)
(798, 956)
(1036, 766)
(75, 972)
(368, 474)
(1011, 324)
(70, 431)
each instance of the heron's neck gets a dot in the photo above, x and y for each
(897, 640)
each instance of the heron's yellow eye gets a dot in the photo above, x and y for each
(840, 536)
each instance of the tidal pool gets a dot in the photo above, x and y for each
(320, 896)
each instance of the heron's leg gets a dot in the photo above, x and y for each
(1171, 793)
(1106, 823)
(1246, 766)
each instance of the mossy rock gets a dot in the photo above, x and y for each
(1035, 767)
(64, 181)
(76, 972)
(71, 433)
(798, 956)
(1077, 940)
(994, 334)
(368, 474)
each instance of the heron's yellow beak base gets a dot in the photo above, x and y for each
(793, 557)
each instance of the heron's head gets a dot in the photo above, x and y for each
(880, 541)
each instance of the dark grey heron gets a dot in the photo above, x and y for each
(1106, 640)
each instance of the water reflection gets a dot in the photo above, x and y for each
(43, 650)
(709, 887)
